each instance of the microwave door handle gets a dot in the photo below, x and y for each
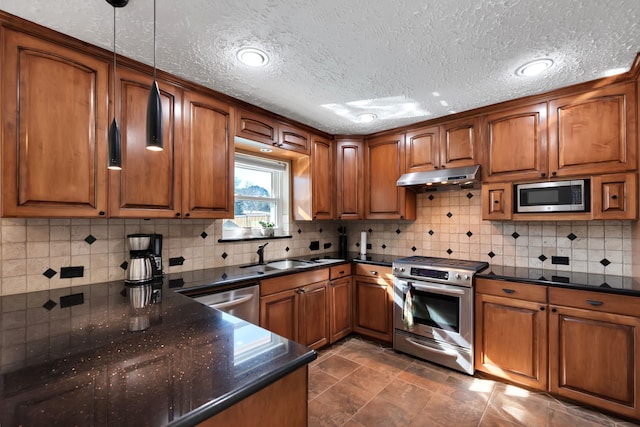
(231, 303)
(427, 288)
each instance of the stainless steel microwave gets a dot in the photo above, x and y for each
(554, 196)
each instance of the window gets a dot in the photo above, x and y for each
(261, 191)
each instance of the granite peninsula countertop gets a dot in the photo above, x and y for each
(77, 356)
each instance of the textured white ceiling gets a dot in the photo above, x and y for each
(334, 59)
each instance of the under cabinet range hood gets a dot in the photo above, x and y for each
(442, 179)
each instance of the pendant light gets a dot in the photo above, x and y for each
(114, 141)
(154, 106)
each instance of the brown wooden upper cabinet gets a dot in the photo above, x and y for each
(55, 123)
(313, 194)
(208, 157)
(349, 178)
(448, 145)
(149, 184)
(516, 144)
(267, 130)
(384, 163)
(593, 132)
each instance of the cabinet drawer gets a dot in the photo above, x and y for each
(292, 281)
(338, 271)
(597, 301)
(504, 288)
(371, 270)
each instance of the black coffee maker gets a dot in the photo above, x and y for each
(155, 249)
(145, 262)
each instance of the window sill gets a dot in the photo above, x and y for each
(250, 239)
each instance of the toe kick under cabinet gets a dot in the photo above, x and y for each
(578, 344)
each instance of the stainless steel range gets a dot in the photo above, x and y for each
(433, 309)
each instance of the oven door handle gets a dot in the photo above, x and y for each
(232, 303)
(427, 288)
(450, 353)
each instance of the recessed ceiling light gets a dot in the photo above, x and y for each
(367, 117)
(252, 57)
(534, 67)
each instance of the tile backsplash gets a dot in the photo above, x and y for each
(33, 251)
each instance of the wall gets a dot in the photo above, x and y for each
(30, 247)
(451, 221)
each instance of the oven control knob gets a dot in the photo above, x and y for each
(457, 276)
(466, 277)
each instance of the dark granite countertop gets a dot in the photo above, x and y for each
(77, 356)
(585, 281)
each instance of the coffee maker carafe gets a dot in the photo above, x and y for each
(140, 265)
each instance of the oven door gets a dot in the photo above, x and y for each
(437, 311)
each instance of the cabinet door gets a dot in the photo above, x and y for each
(279, 313)
(294, 139)
(349, 179)
(511, 339)
(256, 127)
(385, 159)
(340, 308)
(593, 132)
(615, 196)
(148, 186)
(55, 124)
(594, 358)
(322, 178)
(314, 315)
(423, 149)
(207, 171)
(497, 201)
(516, 144)
(373, 308)
(460, 143)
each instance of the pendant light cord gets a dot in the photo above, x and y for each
(115, 102)
(154, 40)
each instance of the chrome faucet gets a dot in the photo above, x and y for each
(261, 253)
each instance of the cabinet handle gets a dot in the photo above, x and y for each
(614, 197)
(375, 273)
(101, 213)
(541, 308)
(508, 291)
(594, 302)
(341, 272)
(543, 174)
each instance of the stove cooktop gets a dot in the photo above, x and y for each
(443, 263)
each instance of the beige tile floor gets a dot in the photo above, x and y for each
(357, 383)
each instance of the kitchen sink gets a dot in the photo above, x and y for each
(286, 264)
(257, 268)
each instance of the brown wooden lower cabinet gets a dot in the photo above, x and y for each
(511, 339)
(340, 308)
(373, 302)
(281, 404)
(578, 344)
(594, 358)
(297, 307)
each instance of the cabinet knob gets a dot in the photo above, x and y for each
(508, 291)
(553, 173)
(496, 201)
(614, 197)
(553, 310)
(543, 174)
(177, 213)
(443, 166)
(541, 308)
(375, 273)
(187, 214)
(435, 167)
(101, 213)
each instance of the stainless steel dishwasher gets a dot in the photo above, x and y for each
(241, 302)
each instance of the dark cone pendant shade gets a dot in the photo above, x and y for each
(115, 146)
(154, 119)
(154, 106)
